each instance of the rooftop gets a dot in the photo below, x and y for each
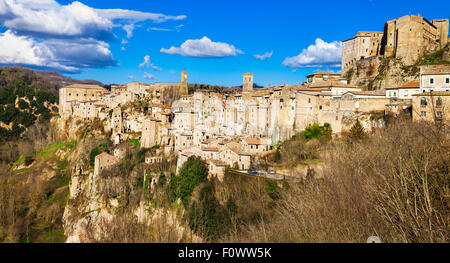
(434, 69)
(409, 85)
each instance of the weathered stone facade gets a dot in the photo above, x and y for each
(406, 38)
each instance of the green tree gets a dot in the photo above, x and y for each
(193, 172)
(357, 132)
(312, 131)
(327, 131)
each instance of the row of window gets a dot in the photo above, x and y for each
(424, 102)
(447, 80)
(423, 115)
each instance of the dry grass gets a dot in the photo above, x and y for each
(393, 185)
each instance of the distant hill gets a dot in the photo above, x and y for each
(255, 86)
(63, 80)
(28, 96)
(48, 80)
(215, 88)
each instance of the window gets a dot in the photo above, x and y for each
(439, 102)
(309, 100)
(389, 93)
(423, 114)
(447, 80)
(423, 102)
(431, 80)
(395, 94)
(439, 115)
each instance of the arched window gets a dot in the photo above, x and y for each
(423, 102)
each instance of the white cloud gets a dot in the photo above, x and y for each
(64, 37)
(149, 76)
(178, 28)
(266, 55)
(318, 55)
(158, 29)
(130, 77)
(124, 41)
(136, 16)
(122, 48)
(50, 19)
(54, 54)
(203, 48)
(147, 63)
(129, 29)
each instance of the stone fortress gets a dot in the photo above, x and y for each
(406, 38)
(235, 129)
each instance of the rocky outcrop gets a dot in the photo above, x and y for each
(91, 215)
(378, 73)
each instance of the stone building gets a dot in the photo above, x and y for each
(363, 45)
(406, 38)
(103, 161)
(435, 78)
(403, 92)
(72, 94)
(150, 133)
(410, 37)
(433, 106)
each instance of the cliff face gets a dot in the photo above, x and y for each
(378, 73)
(103, 209)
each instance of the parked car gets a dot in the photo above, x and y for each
(251, 171)
(270, 171)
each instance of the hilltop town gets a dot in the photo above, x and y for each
(231, 130)
(114, 152)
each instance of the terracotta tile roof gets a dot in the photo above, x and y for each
(248, 73)
(103, 154)
(409, 85)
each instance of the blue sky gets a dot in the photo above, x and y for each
(85, 42)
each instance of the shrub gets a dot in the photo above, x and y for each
(193, 172)
(162, 179)
(314, 131)
(357, 132)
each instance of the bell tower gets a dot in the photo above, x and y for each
(248, 83)
(184, 85)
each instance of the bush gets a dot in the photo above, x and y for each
(193, 172)
(162, 179)
(314, 131)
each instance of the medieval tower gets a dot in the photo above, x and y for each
(248, 82)
(184, 85)
(149, 133)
